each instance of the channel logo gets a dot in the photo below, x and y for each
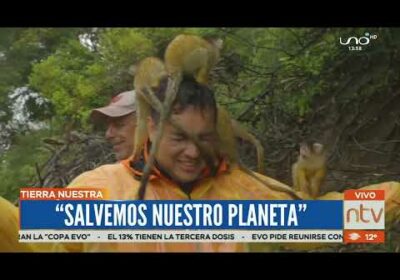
(364, 216)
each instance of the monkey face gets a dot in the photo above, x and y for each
(309, 150)
(305, 151)
(318, 148)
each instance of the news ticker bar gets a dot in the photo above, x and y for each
(62, 216)
(274, 236)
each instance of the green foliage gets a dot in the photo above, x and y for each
(76, 78)
(67, 79)
(17, 165)
(298, 64)
(20, 48)
(123, 46)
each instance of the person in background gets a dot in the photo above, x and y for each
(120, 117)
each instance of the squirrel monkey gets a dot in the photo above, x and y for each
(192, 55)
(149, 74)
(228, 129)
(310, 169)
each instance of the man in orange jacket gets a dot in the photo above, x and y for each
(179, 172)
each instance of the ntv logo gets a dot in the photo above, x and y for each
(356, 43)
(364, 209)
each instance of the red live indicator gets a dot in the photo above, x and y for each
(364, 195)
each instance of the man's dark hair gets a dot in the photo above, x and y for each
(190, 93)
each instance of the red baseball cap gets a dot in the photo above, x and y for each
(120, 105)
